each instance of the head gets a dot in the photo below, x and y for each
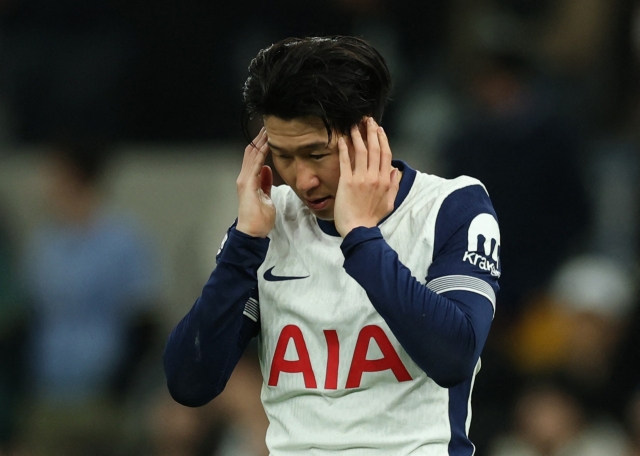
(548, 415)
(308, 92)
(501, 82)
(73, 172)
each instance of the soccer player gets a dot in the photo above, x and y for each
(370, 286)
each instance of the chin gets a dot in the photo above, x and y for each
(325, 214)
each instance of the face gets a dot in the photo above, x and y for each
(63, 188)
(305, 162)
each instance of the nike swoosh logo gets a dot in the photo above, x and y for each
(268, 276)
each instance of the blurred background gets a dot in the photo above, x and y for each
(120, 143)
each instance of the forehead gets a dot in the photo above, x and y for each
(295, 133)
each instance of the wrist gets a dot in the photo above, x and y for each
(250, 231)
(243, 249)
(357, 237)
(348, 228)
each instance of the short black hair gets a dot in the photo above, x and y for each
(339, 79)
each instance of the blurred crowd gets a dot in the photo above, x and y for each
(539, 99)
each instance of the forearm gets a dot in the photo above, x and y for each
(205, 346)
(444, 337)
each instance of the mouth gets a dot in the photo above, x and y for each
(318, 204)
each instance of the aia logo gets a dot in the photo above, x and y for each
(359, 362)
(483, 249)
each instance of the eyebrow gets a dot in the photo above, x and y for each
(313, 145)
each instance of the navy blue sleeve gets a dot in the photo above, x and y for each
(444, 324)
(206, 345)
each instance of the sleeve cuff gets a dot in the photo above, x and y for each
(244, 250)
(358, 236)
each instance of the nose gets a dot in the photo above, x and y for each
(306, 178)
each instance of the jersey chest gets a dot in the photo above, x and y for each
(303, 278)
(318, 321)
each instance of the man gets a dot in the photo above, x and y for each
(370, 286)
(90, 278)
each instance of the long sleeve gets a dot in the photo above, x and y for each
(206, 345)
(444, 324)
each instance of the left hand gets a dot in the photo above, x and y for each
(366, 192)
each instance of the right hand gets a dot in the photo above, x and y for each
(368, 182)
(256, 211)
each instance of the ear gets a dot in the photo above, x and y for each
(266, 180)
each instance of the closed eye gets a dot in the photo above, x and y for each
(318, 157)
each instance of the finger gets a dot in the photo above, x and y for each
(253, 147)
(352, 152)
(395, 179)
(257, 158)
(395, 186)
(360, 150)
(259, 140)
(345, 161)
(362, 128)
(262, 152)
(385, 152)
(373, 145)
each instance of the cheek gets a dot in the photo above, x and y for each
(283, 171)
(331, 176)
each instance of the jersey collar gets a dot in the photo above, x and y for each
(408, 176)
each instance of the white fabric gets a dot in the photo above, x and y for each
(383, 416)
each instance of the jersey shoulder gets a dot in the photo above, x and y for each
(438, 188)
(429, 192)
(455, 203)
(462, 200)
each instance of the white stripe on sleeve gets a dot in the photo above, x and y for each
(465, 283)
(252, 309)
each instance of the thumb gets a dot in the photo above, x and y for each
(395, 185)
(395, 179)
(266, 180)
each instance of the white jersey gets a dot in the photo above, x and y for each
(336, 380)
